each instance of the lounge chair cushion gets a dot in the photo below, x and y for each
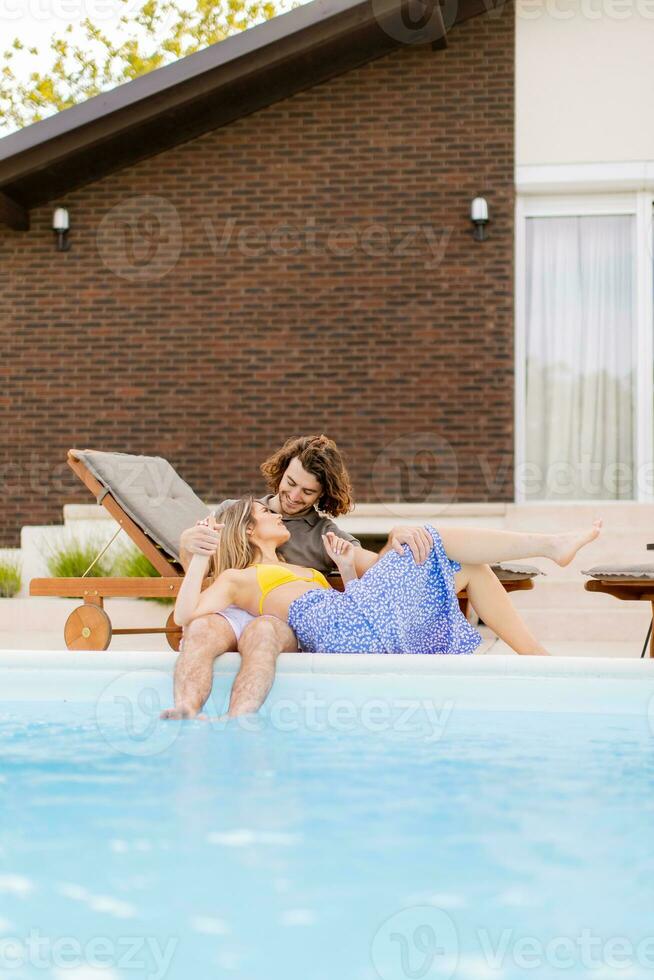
(150, 491)
(513, 572)
(621, 571)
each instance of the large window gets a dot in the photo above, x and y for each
(583, 351)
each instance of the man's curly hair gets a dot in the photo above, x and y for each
(319, 456)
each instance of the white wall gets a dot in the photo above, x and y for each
(584, 81)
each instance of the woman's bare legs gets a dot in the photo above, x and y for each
(491, 602)
(484, 546)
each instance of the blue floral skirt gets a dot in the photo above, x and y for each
(396, 607)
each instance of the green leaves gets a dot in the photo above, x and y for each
(10, 577)
(157, 33)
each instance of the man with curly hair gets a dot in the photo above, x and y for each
(309, 484)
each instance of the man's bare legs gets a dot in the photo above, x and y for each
(261, 643)
(484, 546)
(491, 601)
(204, 640)
(209, 636)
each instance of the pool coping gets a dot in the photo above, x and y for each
(498, 665)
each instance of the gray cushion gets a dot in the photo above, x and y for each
(151, 491)
(621, 571)
(507, 571)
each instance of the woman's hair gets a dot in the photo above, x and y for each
(236, 549)
(319, 456)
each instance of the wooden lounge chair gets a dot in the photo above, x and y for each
(153, 505)
(627, 582)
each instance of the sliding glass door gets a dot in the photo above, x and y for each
(580, 349)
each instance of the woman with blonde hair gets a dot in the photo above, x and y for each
(397, 606)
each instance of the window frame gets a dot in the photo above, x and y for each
(575, 203)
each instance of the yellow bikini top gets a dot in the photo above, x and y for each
(271, 577)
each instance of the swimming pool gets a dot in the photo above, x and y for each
(423, 819)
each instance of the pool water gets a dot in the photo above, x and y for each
(336, 837)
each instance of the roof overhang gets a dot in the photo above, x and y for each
(203, 92)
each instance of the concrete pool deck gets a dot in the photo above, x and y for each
(28, 625)
(495, 663)
(30, 640)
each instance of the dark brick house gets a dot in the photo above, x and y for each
(267, 238)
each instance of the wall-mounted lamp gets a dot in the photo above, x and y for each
(60, 226)
(479, 218)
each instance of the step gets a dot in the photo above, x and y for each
(575, 514)
(43, 613)
(73, 513)
(49, 640)
(35, 540)
(578, 648)
(560, 594)
(618, 624)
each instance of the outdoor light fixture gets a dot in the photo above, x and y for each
(60, 226)
(479, 217)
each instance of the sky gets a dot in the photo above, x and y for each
(35, 22)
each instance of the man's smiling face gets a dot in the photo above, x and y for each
(298, 490)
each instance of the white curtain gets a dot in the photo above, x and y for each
(580, 351)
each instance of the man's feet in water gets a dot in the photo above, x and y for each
(181, 711)
(565, 546)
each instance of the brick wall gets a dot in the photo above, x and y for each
(308, 268)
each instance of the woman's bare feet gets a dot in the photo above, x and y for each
(566, 546)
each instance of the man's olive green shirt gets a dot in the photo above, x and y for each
(304, 547)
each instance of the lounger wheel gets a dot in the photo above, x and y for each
(88, 628)
(174, 639)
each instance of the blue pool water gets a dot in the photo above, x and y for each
(333, 839)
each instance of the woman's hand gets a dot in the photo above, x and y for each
(341, 553)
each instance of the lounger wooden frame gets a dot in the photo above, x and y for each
(89, 627)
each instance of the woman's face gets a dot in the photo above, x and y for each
(267, 526)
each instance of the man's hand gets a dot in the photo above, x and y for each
(202, 539)
(418, 539)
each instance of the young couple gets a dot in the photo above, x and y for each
(270, 594)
